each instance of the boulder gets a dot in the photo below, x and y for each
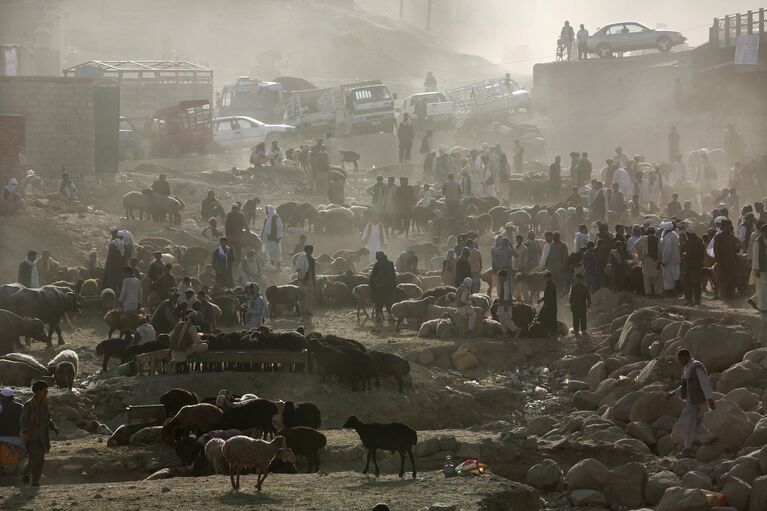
(641, 431)
(587, 498)
(739, 375)
(653, 405)
(657, 485)
(625, 485)
(647, 341)
(540, 425)
(427, 447)
(655, 349)
(633, 444)
(670, 331)
(696, 479)
(621, 410)
(630, 340)
(659, 369)
(587, 474)
(744, 398)
(683, 499)
(705, 343)
(745, 468)
(585, 400)
(576, 365)
(545, 475)
(664, 446)
(610, 390)
(576, 385)
(709, 452)
(609, 435)
(758, 498)
(736, 493)
(658, 324)
(757, 356)
(729, 424)
(596, 374)
(758, 436)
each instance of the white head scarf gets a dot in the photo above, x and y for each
(12, 184)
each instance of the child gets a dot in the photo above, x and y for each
(580, 301)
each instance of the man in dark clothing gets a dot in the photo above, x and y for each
(28, 276)
(383, 281)
(234, 225)
(10, 414)
(463, 266)
(555, 179)
(405, 201)
(693, 251)
(618, 263)
(584, 170)
(156, 269)
(223, 264)
(674, 208)
(591, 267)
(161, 186)
(165, 283)
(726, 256)
(210, 207)
(547, 316)
(164, 317)
(557, 260)
(405, 135)
(580, 301)
(35, 423)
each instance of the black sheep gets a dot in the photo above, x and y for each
(161, 343)
(257, 413)
(336, 342)
(438, 292)
(391, 437)
(389, 364)
(288, 341)
(113, 348)
(345, 363)
(301, 414)
(188, 450)
(175, 399)
(307, 442)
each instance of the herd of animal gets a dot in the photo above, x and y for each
(237, 434)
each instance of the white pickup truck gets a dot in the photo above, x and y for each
(437, 111)
(366, 107)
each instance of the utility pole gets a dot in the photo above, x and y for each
(428, 15)
(401, 9)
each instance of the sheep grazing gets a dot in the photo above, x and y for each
(112, 348)
(121, 321)
(199, 418)
(408, 309)
(64, 356)
(175, 399)
(162, 342)
(437, 292)
(361, 293)
(390, 437)
(214, 453)
(64, 375)
(242, 452)
(25, 359)
(346, 363)
(406, 291)
(307, 442)
(389, 364)
(284, 463)
(301, 414)
(122, 435)
(254, 413)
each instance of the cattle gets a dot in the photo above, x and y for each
(48, 304)
(13, 326)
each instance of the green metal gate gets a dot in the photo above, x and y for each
(106, 117)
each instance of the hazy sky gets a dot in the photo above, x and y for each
(520, 33)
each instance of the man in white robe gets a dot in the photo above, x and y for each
(671, 259)
(374, 239)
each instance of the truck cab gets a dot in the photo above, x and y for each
(183, 128)
(429, 110)
(368, 107)
(252, 98)
(129, 140)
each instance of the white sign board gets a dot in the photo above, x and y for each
(747, 49)
(11, 62)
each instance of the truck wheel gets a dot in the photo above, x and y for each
(603, 50)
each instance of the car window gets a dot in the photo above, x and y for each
(615, 30)
(224, 125)
(125, 126)
(633, 28)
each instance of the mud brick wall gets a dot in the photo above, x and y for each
(11, 146)
(59, 121)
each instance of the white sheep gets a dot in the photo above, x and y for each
(214, 452)
(415, 309)
(243, 452)
(361, 293)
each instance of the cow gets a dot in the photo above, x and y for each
(48, 304)
(13, 326)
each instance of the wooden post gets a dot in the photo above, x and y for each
(737, 24)
(713, 34)
(726, 31)
(761, 22)
(750, 22)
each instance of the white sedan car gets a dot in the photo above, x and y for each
(241, 131)
(631, 36)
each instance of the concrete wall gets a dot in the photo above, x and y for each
(11, 146)
(59, 121)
